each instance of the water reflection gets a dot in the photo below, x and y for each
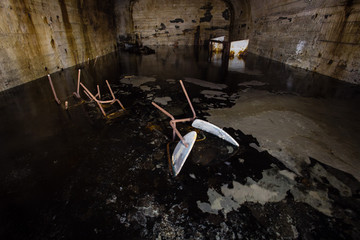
(237, 64)
(238, 48)
(216, 59)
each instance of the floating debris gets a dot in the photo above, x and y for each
(206, 84)
(171, 81)
(162, 100)
(137, 49)
(215, 95)
(272, 187)
(252, 83)
(145, 88)
(137, 81)
(186, 143)
(112, 199)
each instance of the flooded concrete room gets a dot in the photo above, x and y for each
(164, 119)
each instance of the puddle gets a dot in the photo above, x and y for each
(75, 174)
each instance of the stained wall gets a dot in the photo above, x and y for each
(38, 37)
(320, 36)
(164, 22)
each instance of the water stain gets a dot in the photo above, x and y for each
(226, 14)
(84, 29)
(341, 28)
(69, 31)
(177, 20)
(207, 15)
(32, 38)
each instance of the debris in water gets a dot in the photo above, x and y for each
(215, 95)
(206, 84)
(53, 90)
(162, 100)
(112, 199)
(192, 175)
(137, 81)
(100, 102)
(185, 145)
(252, 83)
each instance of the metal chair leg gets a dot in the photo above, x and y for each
(53, 90)
(77, 94)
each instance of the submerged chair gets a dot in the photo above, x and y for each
(99, 102)
(53, 90)
(186, 143)
(96, 97)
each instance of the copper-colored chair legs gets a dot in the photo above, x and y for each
(100, 102)
(96, 97)
(173, 121)
(53, 90)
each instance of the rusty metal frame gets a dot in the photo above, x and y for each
(173, 121)
(188, 99)
(77, 93)
(53, 90)
(96, 98)
(100, 102)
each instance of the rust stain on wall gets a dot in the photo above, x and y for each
(207, 16)
(41, 37)
(201, 21)
(341, 27)
(69, 31)
(84, 30)
(31, 36)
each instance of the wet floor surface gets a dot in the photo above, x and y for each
(76, 175)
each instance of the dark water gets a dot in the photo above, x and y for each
(76, 175)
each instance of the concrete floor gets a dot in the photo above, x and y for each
(73, 174)
(294, 128)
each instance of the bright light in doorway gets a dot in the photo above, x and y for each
(216, 44)
(238, 48)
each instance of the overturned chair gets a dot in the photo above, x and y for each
(186, 143)
(97, 97)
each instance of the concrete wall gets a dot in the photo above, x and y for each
(186, 22)
(321, 36)
(124, 23)
(241, 26)
(38, 37)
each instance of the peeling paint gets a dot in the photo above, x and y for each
(177, 20)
